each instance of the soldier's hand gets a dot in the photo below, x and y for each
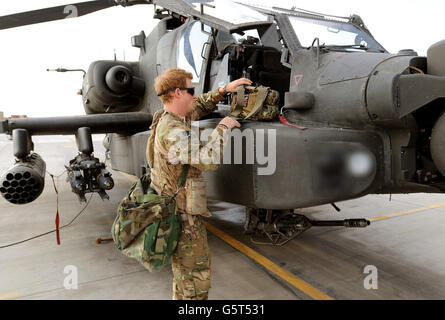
(230, 123)
(231, 86)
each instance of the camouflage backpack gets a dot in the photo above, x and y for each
(147, 226)
(255, 103)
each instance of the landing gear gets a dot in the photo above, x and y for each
(281, 226)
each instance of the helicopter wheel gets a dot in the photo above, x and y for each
(277, 226)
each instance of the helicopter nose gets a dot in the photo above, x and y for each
(435, 63)
(437, 144)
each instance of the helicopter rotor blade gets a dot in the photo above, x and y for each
(55, 13)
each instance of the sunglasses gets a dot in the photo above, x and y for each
(191, 91)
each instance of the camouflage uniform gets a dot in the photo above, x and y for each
(191, 259)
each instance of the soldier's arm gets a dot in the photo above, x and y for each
(183, 146)
(206, 103)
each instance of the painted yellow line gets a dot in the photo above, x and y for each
(10, 295)
(397, 214)
(270, 265)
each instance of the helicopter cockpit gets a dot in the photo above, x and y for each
(259, 62)
(333, 33)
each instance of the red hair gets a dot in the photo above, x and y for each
(172, 78)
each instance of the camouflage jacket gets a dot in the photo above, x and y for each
(174, 144)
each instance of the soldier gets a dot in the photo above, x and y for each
(171, 148)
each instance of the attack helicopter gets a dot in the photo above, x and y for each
(354, 119)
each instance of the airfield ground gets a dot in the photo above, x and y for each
(399, 256)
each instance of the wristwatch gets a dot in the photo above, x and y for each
(224, 91)
(223, 126)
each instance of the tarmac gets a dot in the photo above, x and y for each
(399, 256)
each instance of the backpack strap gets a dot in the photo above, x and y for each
(239, 102)
(185, 168)
(183, 176)
(181, 181)
(150, 195)
(160, 148)
(259, 101)
(151, 140)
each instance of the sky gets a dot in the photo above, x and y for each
(26, 88)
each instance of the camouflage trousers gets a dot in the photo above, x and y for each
(191, 263)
